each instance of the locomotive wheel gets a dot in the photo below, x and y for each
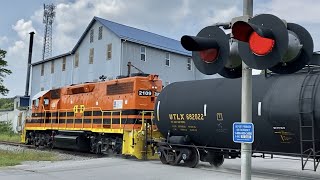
(216, 160)
(193, 158)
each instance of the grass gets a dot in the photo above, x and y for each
(12, 158)
(10, 137)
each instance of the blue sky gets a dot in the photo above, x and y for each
(14, 10)
(165, 17)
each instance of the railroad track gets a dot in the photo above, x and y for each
(14, 144)
(65, 151)
(226, 169)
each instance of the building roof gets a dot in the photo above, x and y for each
(52, 58)
(144, 37)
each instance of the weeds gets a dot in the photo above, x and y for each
(11, 158)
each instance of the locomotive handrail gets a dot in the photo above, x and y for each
(151, 120)
(103, 112)
(143, 119)
(44, 118)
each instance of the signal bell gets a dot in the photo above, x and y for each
(211, 52)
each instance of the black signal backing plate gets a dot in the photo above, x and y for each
(223, 42)
(280, 34)
(305, 53)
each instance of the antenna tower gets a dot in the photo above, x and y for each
(48, 17)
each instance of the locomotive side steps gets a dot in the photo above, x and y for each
(306, 119)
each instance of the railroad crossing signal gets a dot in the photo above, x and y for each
(267, 42)
(263, 42)
(211, 52)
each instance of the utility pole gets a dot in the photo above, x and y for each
(246, 104)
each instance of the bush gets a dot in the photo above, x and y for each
(6, 128)
(6, 103)
(6, 133)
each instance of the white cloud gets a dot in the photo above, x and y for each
(295, 11)
(17, 54)
(16, 48)
(3, 41)
(23, 28)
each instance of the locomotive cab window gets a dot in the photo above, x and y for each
(46, 101)
(35, 102)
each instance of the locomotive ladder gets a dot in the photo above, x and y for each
(307, 123)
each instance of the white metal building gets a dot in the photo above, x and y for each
(105, 48)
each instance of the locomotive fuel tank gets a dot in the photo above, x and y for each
(205, 110)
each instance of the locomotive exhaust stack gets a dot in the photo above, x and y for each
(29, 63)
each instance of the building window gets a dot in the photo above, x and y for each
(42, 89)
(52, 67)
(189, 64)
(91, 35)
(100, 33)
(76, 60)
(64, 64)
(91, 56)
(42, 69)
(167, 59)
(109, 51)
(143, 53)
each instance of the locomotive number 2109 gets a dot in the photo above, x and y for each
(144, 93)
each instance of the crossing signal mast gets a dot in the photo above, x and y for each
(256, 42)
(48, 17)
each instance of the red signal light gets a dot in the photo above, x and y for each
(259, 45)
(209, 55)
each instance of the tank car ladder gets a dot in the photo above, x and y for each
(306, 119)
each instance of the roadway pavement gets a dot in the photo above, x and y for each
(129, 169)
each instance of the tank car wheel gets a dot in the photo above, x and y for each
(216, 160)
(193, 159)
(163, 159)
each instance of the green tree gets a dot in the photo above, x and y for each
(6, 103)
(3, 72)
